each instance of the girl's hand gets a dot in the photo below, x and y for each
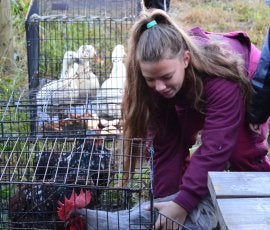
(173, 211)
(255, 128)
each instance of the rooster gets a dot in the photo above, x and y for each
(88, 163)
(89, 159)
(66, 209)
(34, 206)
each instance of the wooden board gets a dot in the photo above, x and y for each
(244, 213)
(239, 184)
(241, 199)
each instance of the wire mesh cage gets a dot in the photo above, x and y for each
(40, 177)
(61, 157)
(19, 118)
(76, 54)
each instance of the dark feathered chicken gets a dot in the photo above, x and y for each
(33, 204)
(86, 161)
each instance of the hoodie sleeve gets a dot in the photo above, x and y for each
(224, 113)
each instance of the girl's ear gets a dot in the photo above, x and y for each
(186, 58)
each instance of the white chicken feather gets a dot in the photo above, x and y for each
(69, 65)
(62, 91)
(110, 94)
(87, 80)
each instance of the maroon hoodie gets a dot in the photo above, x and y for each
(227, 141)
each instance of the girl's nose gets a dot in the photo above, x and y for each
(159, 86)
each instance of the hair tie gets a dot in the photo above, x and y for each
(151, 24)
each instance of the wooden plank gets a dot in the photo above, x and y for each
(244, 213)
(239, 184)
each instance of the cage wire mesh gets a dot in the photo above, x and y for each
(36, 173)
(18, 118)
(76, 55)
(60, 139)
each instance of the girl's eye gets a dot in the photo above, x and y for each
(166, 78)
(149, 79)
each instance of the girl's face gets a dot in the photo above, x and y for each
(166, 76)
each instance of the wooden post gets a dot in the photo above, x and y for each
(6, 33)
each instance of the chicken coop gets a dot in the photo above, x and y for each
(77, 183)
(76, 53)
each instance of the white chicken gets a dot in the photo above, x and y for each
(110, 94)
(62, 91)
(87, 81)
(70, 65)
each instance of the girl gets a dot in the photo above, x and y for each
(182, 83)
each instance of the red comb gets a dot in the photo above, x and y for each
(74, 202)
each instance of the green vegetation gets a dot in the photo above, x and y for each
(13, 73)
(56, 37)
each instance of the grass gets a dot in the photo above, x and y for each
(224, 15)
